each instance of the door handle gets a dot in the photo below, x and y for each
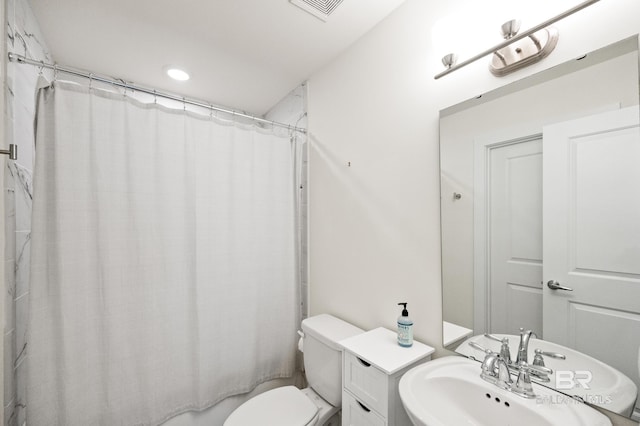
(555, 285)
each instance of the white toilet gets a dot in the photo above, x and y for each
(290, 406)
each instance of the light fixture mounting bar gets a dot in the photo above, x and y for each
(517, 37)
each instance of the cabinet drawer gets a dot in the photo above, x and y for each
(355, 413)
(368, 384)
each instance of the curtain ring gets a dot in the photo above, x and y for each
(124, 87)
(41, 68)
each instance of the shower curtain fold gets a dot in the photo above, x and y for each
(163, 263)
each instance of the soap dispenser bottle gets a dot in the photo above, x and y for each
(405, 327)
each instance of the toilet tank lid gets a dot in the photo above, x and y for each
(329, 329)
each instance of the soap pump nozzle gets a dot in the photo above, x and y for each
(405, 313)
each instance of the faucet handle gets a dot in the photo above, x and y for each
(481, 348)
(489, 362)
(536, 369)
(550, 354)
(488, 367)
(503, 374)
(538, 359)
(495, 370)
(492, 337)
(505, 351)
(523, 386)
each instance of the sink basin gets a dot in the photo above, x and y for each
(608, 387)
(449, 391)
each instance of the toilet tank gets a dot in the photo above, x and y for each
(323, 354)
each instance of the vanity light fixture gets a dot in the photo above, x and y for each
(524, 52)
(177, 74)
(519, 49)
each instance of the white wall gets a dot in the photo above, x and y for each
(375, 226)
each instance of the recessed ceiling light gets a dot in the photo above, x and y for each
(177, 74)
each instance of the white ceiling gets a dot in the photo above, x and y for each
(244, 54)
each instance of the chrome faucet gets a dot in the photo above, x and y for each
(523, 386)
(538, 361)
(496, 371)
(505, 353)
(523, 348)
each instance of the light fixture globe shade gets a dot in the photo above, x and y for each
(510, 28)
(449, 60)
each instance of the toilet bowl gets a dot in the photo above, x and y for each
(315, 405)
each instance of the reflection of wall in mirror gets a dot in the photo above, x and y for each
(511, 116)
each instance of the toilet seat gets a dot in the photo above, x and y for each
(284, 406)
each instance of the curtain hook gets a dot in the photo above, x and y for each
(155, 97)
(211, 111)
(124, 87)
(41, 68)
(55, 72)
(90, 81)
(184, 104)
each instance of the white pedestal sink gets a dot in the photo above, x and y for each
(449, 391)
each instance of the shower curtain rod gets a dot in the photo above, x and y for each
(13, 57)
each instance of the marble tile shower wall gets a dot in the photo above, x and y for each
(23, 37)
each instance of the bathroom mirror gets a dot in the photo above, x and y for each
(534, 202)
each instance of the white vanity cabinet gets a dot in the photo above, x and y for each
(372, 364)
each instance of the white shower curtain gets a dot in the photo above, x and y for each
(163, 271)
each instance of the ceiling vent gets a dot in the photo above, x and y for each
(321, 9)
